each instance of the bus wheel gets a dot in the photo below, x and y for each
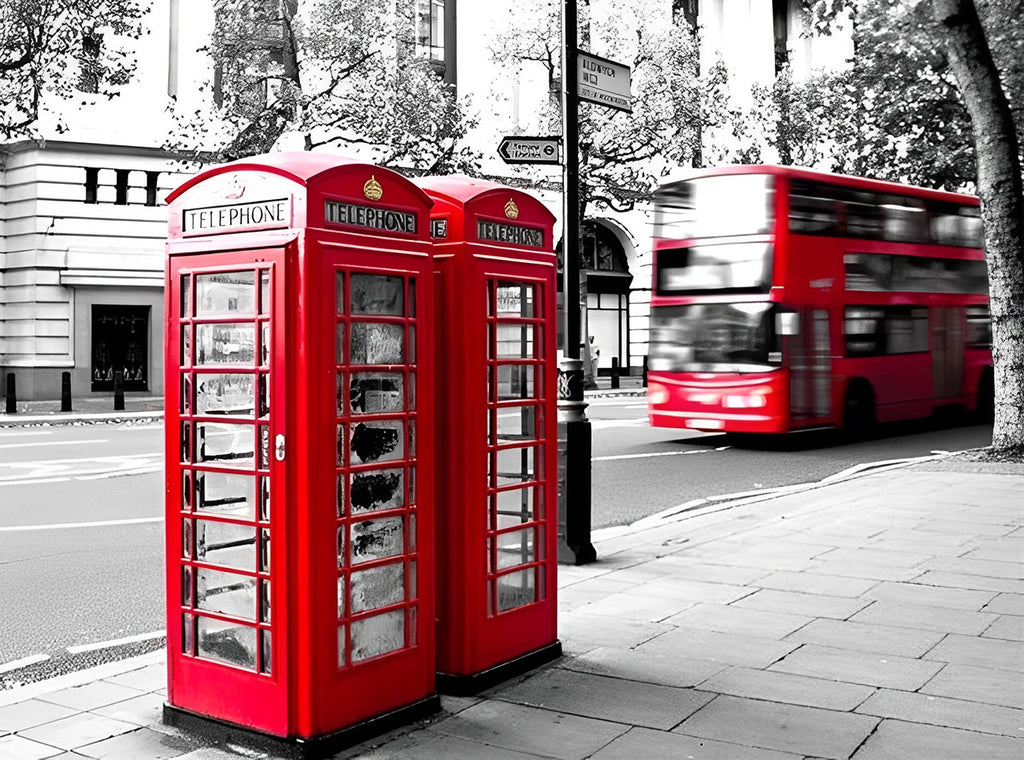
(986, 396)
(859, 410)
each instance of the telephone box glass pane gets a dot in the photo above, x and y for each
(225, 445)
(378, 634)
(515, 381)
(516, 423)
(266, 652)
(515, 548)
(515, 589)
(186, 296)
(225, 293)
(514, 506)
(226, 544)
(264, 291)
(378, 587)
(377, 343)
(227, 642)
(377, 392)
(228, 393)
(186, 345)
(221, 493)
(227, 593)
(377, 539)
(229, 343)
(377, 294)
(515, 341)
(515, 299)
(378, 441)
(513, 466)
(376, 490)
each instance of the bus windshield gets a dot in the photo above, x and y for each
(699, 268)
(731, 204)
(713, 337)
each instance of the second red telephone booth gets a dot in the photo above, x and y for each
(496, 432)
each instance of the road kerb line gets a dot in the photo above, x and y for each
(75, 525)
(24, 662)
(116, 642)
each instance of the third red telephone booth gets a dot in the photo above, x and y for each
(496, 433)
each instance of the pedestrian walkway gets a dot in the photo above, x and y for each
(93, 408)
(876, 617)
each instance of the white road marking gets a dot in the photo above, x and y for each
(10, 433)
(658, 454)
(81, 468)
(116, 642)
(77, 525)
(24, 662)
(53, 443)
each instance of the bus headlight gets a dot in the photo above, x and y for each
(657, 394)
(757, 399)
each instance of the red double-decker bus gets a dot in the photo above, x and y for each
(786, 299)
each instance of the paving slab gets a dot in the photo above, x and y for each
(429, 745)
(147, 679)
(691, 591)
(647, 743)
(943, 711)
(14, 747)
(930, 596)
(616, 699)
(817, 583)
(528, 729)
(729, 619)
(788, 728)
(142, 710)
(143, 743)
(916, 741)
(634, 606)
(682, 569)
(32, 712)
(787, 687)
(1006, 604)
(853, 568)
(864, 637)
(640, 666)
(986, 567)
(924, 617)
(799, 603)
(976, 650)
(966, 580)
(580, 632)
(978, 684)
(866, 668)
(728, 648)
(78, 730)
(91, 695)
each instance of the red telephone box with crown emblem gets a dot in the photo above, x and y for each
(300, 511)
(496, 396)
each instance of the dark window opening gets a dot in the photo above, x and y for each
(885, 330)
(152, 178)
(92, 184)
(780, 18)
(121, 187)
(120, 339)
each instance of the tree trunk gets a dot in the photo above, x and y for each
(1002, 206)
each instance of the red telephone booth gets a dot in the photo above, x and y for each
(497, 520)
(300, 525)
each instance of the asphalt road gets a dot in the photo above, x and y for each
(81, 532)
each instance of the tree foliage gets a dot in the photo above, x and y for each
(894, 112)
(324, 72)
(622, 156)
(45, 43)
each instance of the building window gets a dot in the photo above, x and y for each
(121, 187)
(92, 184)
(89, 62)
(780, 19)
(152, 178)
(430, 29)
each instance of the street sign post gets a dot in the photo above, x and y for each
(529, 150)
(604, 82)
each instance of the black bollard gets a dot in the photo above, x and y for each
(645, 371)
(574, 468)
(12, 397)
(118, 391)
(615, 372)
(65, 391)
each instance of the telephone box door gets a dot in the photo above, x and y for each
(225, 484)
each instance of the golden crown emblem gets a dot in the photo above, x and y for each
(372, 189)
(511, 209)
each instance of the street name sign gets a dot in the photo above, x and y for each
(529, 150)
(603, 82)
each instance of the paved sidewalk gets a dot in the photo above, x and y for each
(875, 617)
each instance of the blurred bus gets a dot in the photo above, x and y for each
(786, 299)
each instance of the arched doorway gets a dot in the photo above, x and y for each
(605, 279)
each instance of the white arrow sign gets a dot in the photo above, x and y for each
(529, 150)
